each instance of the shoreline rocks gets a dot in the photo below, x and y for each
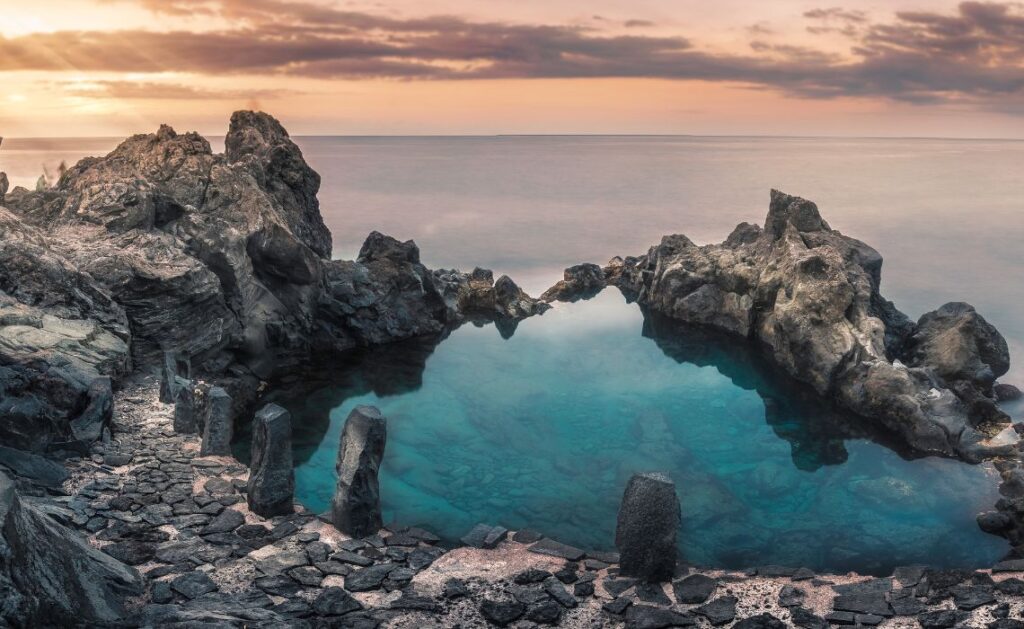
(355, 509)
(808, 297)
(649, 519)
(271, 486)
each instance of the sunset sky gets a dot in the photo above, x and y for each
(788, 67)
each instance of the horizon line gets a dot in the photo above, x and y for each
(558, 135)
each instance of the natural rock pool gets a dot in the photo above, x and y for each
(543, 429)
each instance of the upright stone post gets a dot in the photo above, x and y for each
(189, 400)
(271, 487)
(175, 366)
(646, 533)
(219, 424)
(356, 507)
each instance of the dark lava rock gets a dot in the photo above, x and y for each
(277, 585)
(806, 619)
(1006, 623)
(527, 537)
(761, 621)
(502, 613)
(188, 406)
(131, 552)
(649, 617)
(583, 589)
(868, 603)
(218, 424)
(616, 587)
(176, 368)
(646, 531)
(356, 506)
(485, 536)
(271, 487)
(193, 584)
(790, 596)
(557, 591)
(307, 575)
(455, 588)
(415, 602)
(841, 618)
(50, 576)
(227, 521)
(548, 546)
(40, 470)
(568, 574)
(546, 613)
(353, 558)
(1009, 565)
(941, 619)
(652, 593)
(335, 601)
(720, 611)
(369, 578)
(531, 575)
(695, 588)
(617, 605)
(162, 592)
(969, 597)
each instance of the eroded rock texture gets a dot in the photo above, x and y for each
(645, 534)
(356, 507)
(809, 296)
(271, 487)
(49, 576)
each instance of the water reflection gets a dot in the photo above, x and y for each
(543, 428)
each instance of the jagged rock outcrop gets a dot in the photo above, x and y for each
(49, 576)
(4, 186)
(809, 297)
(355, 509)
(582, 281)
(62, 338)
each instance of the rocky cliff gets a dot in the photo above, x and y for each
(809, 297)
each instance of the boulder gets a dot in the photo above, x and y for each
(809, 298)
(1006, 392)
(50, 576)
(355, 510)
(218, 423)
(582, 281)
(271, 486)
(957, 343)
(649, 518)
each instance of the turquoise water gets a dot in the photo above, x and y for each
(543, 430)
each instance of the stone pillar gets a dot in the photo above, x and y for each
(189, 403)
(356, 507)
(176, 365)
(219, 423)
(271, 486)
(646, 533)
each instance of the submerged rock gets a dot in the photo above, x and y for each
(355, 510)
(649, 518)
(808, 296)
(271, 486)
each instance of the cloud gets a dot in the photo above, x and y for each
(147, 90)
(972, 54)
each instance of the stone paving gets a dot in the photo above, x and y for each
(148, 499)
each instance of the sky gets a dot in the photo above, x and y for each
(722, 67)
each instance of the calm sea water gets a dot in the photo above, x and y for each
(542, 430)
